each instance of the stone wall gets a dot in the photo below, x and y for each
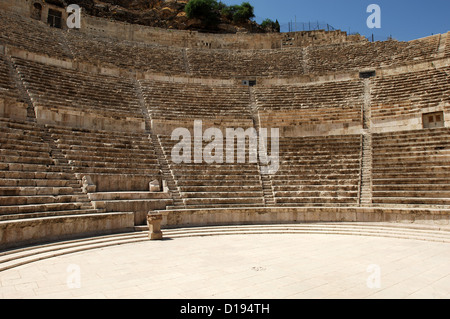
(12, 109)
(195, 39)
(184, 39)
(400, 99)
(23, 232)
(258, 216)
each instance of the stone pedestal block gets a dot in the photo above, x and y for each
(154, 186)
(154, 226)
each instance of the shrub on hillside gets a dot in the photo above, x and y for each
(205, 10)
(238, 13)
(209, 11)
(269, 25)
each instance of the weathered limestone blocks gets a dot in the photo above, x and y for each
(12, 109)
(21, 232)
(154, 186)
(121, 182)
(238, 216)
(154, 226)
(400, 99)
(88, 185)
(411, 168)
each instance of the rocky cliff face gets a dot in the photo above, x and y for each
(155, 13)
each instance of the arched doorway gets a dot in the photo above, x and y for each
(36, 11)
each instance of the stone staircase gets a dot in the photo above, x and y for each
(23, 92)
(62, 162)
(204, 185)
(19, 257)
(166, 172)
(365, 198)
(266, 182)
(82, 99)
(443, 42)
(36, 178)
(186, 61)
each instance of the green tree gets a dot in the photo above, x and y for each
(238, 13)
(268, 24)
(229, 11)
(209, 11)
(205, 10)
(244, 12)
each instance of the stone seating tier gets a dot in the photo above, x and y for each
(318, 171)
(183, 101)
(226, 63)
(110, 52)
(33, 36)
(410, 93)
(412, 167)
(447, 45)
(106, 152)
(210, 185)
(36, 37)
(55, 87)
(293, 105)
(32, 181)
(7, 86)
(357, 56)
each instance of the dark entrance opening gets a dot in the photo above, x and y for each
(54, 18)
(367, 74)
(432, 120)
(36, 11)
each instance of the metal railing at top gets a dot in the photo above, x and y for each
(294, 26)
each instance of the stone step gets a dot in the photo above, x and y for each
(227, 201)
(414, 187)
(18, 257)
(319, 200)
(57, 213)
(24, 256)
(411, 200)
(222, 205)
(311, 194)
(34, 183)
(418, 193)
(36, 199)
(34, 191)
(222, 195)
(47, 207)
(134, 205)
(224, 188)
(318, 187)
(105, 196)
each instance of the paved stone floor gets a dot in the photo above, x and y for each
(242, 266)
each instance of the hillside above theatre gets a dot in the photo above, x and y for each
(162, 14)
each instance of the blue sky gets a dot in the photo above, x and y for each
(403, 19)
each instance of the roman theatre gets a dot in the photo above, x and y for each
(88, 178)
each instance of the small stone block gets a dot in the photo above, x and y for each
(154, 226)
